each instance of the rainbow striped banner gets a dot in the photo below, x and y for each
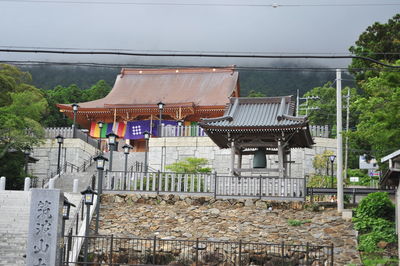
(119, 129)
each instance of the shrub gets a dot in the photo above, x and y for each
(376, 205)
(368, 242)
(297, 222)
(365, 225)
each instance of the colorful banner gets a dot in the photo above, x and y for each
(135, 129)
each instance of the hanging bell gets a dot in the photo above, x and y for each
(259, 160)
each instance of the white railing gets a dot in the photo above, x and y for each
(319, 131)
(182, 131)
(207, 184)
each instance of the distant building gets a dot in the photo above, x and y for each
(131, 107)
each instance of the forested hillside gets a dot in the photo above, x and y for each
(269, 82)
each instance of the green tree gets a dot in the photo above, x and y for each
(326, 104)
(254, 93)
(190, 165)
(378, 129)
(380, 42)
(21, 109)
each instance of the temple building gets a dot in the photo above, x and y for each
(259, 127)
(141, 99)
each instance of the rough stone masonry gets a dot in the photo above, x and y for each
(188, 217)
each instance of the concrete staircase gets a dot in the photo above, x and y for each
(66, 181)
(14, 223)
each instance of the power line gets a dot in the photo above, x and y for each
(253, 68)
(273, 5)
(198, 55)
(191, 51)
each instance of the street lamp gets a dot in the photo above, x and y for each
(100, 161)
(60, 141)
(112, 139)
(88, 200)
(66, 209)
(332, 159)
(101, 124)
(126, 148)
(161, 108)
(75, 110)
(146, 135)
(27, 152)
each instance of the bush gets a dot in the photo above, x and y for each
(365, 225)
(376, 205)
(368, 242)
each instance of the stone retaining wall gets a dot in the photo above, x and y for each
(251, 220)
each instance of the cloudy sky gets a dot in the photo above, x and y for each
(201, 26)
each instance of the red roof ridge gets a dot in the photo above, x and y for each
(178, 70)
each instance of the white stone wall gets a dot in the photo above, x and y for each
(74, 151)
(178, 148)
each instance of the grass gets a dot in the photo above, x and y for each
(298, 222)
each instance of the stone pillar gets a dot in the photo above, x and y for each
(27, 184)
(51, 183)
(75, 186)
(44, 235)
(3, 183)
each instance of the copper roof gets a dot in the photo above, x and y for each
(187, 86)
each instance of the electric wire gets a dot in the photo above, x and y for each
(273, 5)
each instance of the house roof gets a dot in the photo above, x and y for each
(390, 156)
(265, 117)
(184, 86)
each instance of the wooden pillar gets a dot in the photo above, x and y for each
(232, 168)
(239, 163)
(280, 158)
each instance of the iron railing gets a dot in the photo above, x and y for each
(111, 250)
(206, 183)
(67, 132)
(68, 167)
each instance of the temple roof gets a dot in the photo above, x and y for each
(266, 117)
(179, 87)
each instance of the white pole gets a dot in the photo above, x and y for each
(339, 155)
(346, 142)
(3, 183)
(27, 184)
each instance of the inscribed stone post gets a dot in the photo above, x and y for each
(44, 235)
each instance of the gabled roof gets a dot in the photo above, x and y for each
(184, 86)
(266, 118)
(263, 113)
(393, 155)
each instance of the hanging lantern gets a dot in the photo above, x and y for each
(259, 160)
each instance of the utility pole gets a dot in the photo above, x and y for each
(339, 155)
(298, 98)
(346, 144)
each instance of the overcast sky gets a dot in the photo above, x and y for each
(243, 26)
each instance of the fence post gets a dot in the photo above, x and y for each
(354, 196)
(305, 188)
(77, 223)
(82, 209)
(240, 252)
(158, 182)
(259, 190)
(154, 250)
(215, 184)
(69, 244)
(283, 252)
(197, 251)
(307, 255)
(111, 249)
